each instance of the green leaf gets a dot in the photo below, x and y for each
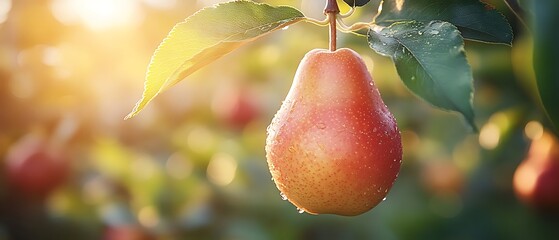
(206, 36)
(431, 61)
(546, 56)
(523, 5)
(356, 3)
(476, 20)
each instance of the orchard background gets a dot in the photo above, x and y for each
(192, 164)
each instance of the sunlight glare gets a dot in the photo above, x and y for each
(97, 14)
(5, 6)
(208, 3)
(161, 4)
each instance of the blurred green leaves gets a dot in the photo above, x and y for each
(430, 60)
(546, 56)
(206, 36)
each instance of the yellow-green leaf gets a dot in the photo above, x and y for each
(206, 36)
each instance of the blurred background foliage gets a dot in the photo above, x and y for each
(192, 164)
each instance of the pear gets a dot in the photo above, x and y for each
(333, 147)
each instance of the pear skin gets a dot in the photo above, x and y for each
(333, 147)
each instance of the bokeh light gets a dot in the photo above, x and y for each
(525, 180)
(489, 136)
(222, 169)
(533, 130)
(148, 216)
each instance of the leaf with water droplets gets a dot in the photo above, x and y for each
(206, 36)
(476, 20)
(432, 66)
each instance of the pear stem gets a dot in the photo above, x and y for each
(332, 10)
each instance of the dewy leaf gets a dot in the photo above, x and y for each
(546, 56)
(431, 61)
(206, 36)
(356, 3)
(476, 20)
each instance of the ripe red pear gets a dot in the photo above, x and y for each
(333, 147)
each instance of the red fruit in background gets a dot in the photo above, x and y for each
(333, 147)
(235, 106)
(125, 232)
(35, 168)
(536, 180)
